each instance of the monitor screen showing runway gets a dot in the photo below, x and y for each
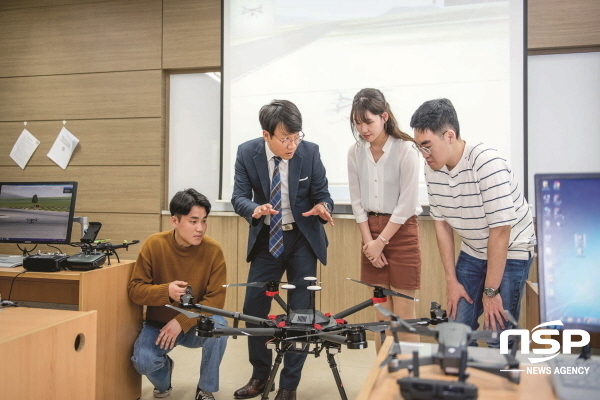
(36, 212)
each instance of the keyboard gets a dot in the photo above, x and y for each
(575, 386)
(9, 261)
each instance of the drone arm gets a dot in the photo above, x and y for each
(354, 309)
(410, 363)
(249, 331)
(483, 335)
(335, 338)
(230, 314)
(513, 376)
(282, 303)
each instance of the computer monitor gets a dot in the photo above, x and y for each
(568, 232)
(37, 212)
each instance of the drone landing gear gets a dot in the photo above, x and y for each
(336, 375)
(330, 358)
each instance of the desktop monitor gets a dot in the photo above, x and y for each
(568, 233)
(37, 212)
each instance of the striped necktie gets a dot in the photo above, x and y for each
(275, 231)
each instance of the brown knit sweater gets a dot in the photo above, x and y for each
(162, 261)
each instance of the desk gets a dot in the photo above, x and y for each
(119, 319)
(47, 354)
(381, 385)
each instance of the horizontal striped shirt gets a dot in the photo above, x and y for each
(478, 194)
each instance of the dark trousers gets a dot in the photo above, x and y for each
(297, 261)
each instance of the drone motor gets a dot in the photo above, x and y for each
(357, 338)
(205, 327)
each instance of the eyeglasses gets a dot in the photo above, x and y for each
(426, 150)
(288, 141)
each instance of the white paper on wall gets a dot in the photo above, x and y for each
(24, 148)
(63, 148)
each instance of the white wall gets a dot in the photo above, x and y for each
(564, 114)
(194, 134)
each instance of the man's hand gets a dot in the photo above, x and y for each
(454, 291)
(493, 312)
(265, 209)
(168, 335)
(320, 211)
(177, 289)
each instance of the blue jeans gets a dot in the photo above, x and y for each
(471, 271)
(150, 360)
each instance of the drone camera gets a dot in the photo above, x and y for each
(187, 299)
(357, 338)
(205, 326)
(438, 314)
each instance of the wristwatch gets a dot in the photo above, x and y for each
(490, 292)
(326, 205)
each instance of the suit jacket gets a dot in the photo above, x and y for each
(307, 185)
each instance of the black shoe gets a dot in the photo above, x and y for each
(158, 394)
(253, 388)
(203, 395)
(284, 394)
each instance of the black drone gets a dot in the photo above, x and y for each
(89, 244)
(108, 248)
(306, 331)
(452, 357)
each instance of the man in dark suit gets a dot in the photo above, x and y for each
(281, 190)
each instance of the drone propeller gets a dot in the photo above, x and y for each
(261, 284)
(387, 292)
(372, 326)
(394, 317)
(488, 334)
(189, 314)
(250, 284)
(511, 319)
(228, 327)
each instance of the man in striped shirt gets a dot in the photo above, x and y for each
(473, 192)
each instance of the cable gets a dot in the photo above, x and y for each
(54, 247)
(25, 251)
(12, 282)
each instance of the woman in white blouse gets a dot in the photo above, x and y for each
(383, 171)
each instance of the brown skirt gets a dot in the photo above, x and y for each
(403, 255)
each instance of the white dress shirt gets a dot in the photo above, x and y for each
(287, 216)
(390, 185)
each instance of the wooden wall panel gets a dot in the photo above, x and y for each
(192, 34)
(81, 38)
(116, 227)
(243, 266)
(558, 24)
(13, 4)
(112, 189)
(343, 261)
(82, 96)
(101, 142)
(222, 229)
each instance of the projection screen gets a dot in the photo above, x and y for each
(318, 54)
